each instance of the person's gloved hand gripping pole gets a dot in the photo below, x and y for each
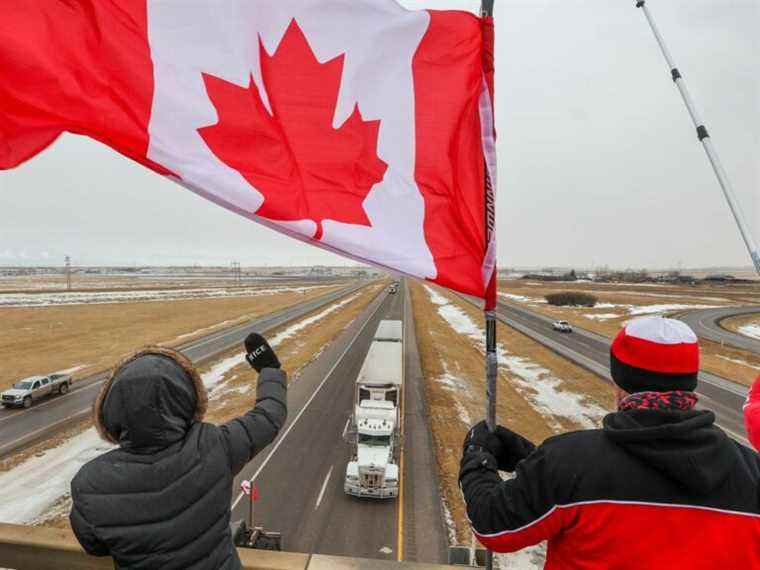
(507, 447)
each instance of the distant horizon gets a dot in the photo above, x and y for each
(354, 265)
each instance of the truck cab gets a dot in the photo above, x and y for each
(373, 470)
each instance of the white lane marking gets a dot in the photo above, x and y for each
(306, 405)
(322, 492)
(345, 428)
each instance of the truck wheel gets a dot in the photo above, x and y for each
(63, 389)
(27, 402)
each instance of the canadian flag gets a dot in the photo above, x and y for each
(356, 125)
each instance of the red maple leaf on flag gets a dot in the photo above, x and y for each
(305, 168)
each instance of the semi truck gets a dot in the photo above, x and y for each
(376, 421)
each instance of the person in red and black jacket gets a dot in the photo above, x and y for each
(659, 486)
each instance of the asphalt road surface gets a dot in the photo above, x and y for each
(22, 427)
(591, 351)
(706, 323)
(300, 477)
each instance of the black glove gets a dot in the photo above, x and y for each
(259, 354)
(507, 447)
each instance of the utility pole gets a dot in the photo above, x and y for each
(68, 273)
(236, 274)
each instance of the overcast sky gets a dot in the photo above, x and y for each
(598, 161)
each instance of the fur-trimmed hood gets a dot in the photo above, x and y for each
(150, 401)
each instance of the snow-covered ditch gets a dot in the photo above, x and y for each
(639, 310)
(107, 297)
(522, 298)
(32, 489)
(751, 330)
(540, 387)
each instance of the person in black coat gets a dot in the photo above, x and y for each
(162, 498)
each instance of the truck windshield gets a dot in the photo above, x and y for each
(374, 440)
(23, 385)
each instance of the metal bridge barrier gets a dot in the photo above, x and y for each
(42, 548)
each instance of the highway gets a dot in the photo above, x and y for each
(706, 323)
(22, 427)
(591, 351)
(300, 477)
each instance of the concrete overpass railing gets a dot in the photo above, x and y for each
(42, 548)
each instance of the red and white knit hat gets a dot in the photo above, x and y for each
(655, 354)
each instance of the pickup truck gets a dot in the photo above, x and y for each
(27, 391)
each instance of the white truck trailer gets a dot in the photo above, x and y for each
(373, 470)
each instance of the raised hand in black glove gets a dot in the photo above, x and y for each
(507, 447)
(259, 354)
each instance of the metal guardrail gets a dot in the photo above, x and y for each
(43, 548)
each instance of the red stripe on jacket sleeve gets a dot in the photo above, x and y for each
(537, 531)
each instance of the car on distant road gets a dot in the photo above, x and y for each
(25, 392)
(562, 326)
(393, 289)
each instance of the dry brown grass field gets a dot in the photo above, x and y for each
(454, 390)
(738, 365)
(40, 340)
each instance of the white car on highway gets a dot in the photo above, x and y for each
(562, 326)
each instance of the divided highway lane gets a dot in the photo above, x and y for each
(22, 427)
(300, 477)
(591, 351)
(706, 323)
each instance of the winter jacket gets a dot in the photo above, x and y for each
(161, 500)
(752, 414)
(652, 489)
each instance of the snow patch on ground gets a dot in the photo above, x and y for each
(640, 310)
(531, 558)
(302, 324)
(449, 520)
(543, 390)
(36, 485)
(752, 330)
(71, 370)
(464, 415)
(536, 383)
(659, 309)
(521, 298)
(603, 316)
(105, 297)
(212, 379)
